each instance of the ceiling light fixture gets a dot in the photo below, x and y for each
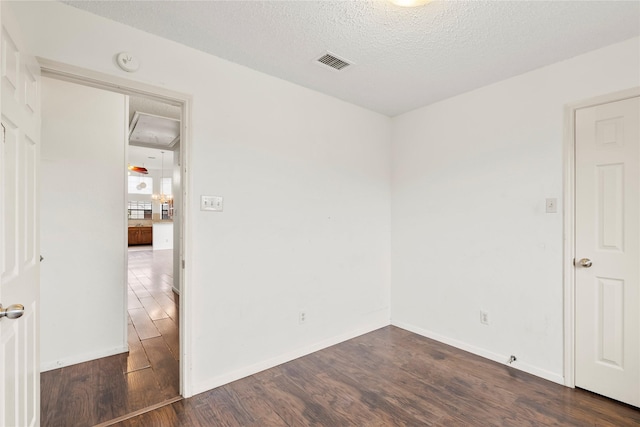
(409, 3)
(138, 169)
(142, 171)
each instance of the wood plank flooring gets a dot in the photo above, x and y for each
(391, 377)
(89, 393)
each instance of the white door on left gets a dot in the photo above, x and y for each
(19, 247)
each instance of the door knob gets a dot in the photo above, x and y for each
(584, 262)
(12, 312)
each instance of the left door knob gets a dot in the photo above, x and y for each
(12, 312)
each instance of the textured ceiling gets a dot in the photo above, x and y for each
(404, 58)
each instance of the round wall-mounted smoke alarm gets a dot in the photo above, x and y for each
(127, 62)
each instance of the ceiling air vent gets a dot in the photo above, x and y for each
(333, 62)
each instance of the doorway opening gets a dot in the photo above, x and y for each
(150, 372)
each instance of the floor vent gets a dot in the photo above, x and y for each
(333, 62)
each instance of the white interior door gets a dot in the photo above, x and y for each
(607, 229)
(19, 250)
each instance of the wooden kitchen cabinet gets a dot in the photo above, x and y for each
(140, 236)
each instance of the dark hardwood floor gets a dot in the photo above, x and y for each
(389, 377)
(89, 393)
(392, 377)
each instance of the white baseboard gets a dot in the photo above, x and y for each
(496, 357)
(287, 357)
(48, 366)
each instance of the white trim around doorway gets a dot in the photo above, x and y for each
(569, 222)
(111, 83)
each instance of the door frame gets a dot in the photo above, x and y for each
(569, 237)
(73, 74)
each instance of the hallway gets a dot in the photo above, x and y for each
(101, 390)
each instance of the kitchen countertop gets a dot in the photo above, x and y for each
(150, 224)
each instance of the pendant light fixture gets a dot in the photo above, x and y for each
(162, 197)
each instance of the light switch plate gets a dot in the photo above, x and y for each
(211, 203)
(552, 205)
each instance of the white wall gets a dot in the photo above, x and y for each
(306, 184)
(83, 216)
(470, 232)
(306, 221)
(163, 236)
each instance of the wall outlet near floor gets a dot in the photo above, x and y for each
(484, 317)
(302, 317)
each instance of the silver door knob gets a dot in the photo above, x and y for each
(12, 312)
(585, 262)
